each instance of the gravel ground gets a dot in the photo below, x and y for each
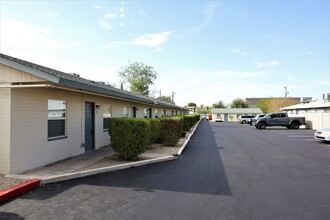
(6, 182)
(155, 150)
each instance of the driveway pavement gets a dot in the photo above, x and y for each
(227, 171)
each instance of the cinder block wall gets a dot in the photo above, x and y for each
(5, 107)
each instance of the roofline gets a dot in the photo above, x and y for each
(83, 86)
(78, 85)
(310, 107)
(30, 70)
(122, 95)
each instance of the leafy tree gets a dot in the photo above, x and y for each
(165, 98)
(203, 111)
(268, 105)
(192, 104)
(263, 105)
(238, 103)
(139, 75)
(219, 104)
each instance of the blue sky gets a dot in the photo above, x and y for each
(204, 51)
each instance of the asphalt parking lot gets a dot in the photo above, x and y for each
(227, 171)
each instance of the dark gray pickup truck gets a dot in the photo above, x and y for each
(279, 119)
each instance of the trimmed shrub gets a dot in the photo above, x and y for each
(170, 130)
(129, 137)
(154, 130)
(189, 121)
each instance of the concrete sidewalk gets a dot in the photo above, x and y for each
(91, 163)
(95, 162)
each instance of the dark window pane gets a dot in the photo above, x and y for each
(106, 123)
(56, 128)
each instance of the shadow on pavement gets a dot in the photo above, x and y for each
(9, 215)
(199, 170)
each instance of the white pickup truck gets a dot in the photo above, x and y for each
(280, 119)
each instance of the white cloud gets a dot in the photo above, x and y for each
(309, 52)
(105, 25)
(116, 44)
(242, 53)
(53, 14)
(29, 37)
(152, 40)
(208, 13)
(76, 44)
(238, 74)
(261, 65)
(116, 13)
(97, 6)
(141, 12)
(111, 15)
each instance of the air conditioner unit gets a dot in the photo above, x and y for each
(326, 96)
(305, 99)
(75, 74)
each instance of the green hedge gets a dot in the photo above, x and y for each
(189, 121)
(154, 130)
(170, 130)
(129, 137)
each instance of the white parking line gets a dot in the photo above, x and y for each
(300, 135)
(297, 133)
(310, 140)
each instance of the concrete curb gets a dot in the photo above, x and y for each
(18, 189)
(186, 142)
(35, 182)
(80, 174)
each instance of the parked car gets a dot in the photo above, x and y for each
(252, 121)
(218, 119)
(243, 119)
(322, 134)
(280, 119)
(205, 116)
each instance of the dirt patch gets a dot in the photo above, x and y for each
(7, 182)
(153, 151)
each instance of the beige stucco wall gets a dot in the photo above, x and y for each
(317, 120)
(231, 117)
(29, 145)
(5, 95)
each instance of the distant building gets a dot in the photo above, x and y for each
(194, 109)
(317, 113)
(231, 114)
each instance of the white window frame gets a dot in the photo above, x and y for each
(53, 118)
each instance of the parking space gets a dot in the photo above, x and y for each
(277, 169)
(302, 134)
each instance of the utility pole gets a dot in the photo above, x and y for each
(173, 93)
(286, 91)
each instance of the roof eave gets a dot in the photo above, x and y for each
(30, 70)
(82, 86)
